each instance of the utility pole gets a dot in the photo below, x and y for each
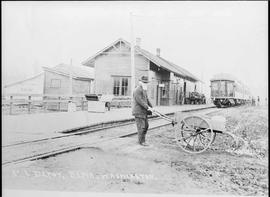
(132, 63)
(70, 78)
(202, 83)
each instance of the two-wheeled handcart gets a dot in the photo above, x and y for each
(195, 133)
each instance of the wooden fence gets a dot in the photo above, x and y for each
(35, 103)
(15, 103)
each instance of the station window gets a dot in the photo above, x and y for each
(55, 83)
(124, 86)
(116, 86)
(120, 86)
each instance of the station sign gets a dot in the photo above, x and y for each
(161, 85)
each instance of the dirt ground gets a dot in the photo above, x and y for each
(121, 165)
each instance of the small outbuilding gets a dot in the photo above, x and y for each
(57, 80)
(31, 85)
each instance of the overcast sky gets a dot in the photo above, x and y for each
(204, 37)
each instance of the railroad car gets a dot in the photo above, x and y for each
(227, 91)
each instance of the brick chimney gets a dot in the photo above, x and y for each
(138, 42)
(158, 52)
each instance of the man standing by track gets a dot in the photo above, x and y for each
(141, 108)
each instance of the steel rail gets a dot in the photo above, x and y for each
(74, 132)
(81, 145)
(85, 130)
(72, 148)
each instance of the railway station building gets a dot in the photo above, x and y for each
(169, 83)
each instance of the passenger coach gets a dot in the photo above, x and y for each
(227, 91)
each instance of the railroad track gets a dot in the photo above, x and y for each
(97, 127)
(47, 147)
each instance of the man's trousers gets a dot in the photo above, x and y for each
(142, 127)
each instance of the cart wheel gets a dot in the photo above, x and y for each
(194, 134)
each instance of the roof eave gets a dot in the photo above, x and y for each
(138, 50)
(15, 83)
(65, 74)
(99, 52)
(85, 79)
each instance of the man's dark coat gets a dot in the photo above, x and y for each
(140, 103)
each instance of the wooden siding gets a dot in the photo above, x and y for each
(157, 77)
(78, 86)
(81, 87)
(116, 62)
(31, 86)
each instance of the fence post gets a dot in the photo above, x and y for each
(70, 98)
(59, 104)
(82, 103)
(10, 106)
(44, 103)
(29, 104)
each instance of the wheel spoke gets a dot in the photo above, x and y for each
(202, 140)
(185, 138)
(194, 142)
(193, 129)
(187, 129)
(187, 125)
(201, 131)
(205, 140)
(188, 143)
(204, 130)
(192, 122)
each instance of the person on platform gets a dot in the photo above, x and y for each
(253, 101)
(141, 108)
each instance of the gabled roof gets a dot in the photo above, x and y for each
(79, 72)
(99, 52)
(151, 57)
(24, 80)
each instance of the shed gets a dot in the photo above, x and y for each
(31, 85)
(57, 80)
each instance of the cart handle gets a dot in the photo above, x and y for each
(165, 117)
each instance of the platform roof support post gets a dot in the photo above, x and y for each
(132, 55)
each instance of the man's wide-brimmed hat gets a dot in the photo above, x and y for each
(144, 79)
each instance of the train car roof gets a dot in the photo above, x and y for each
(229, 77)
(223, 76)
